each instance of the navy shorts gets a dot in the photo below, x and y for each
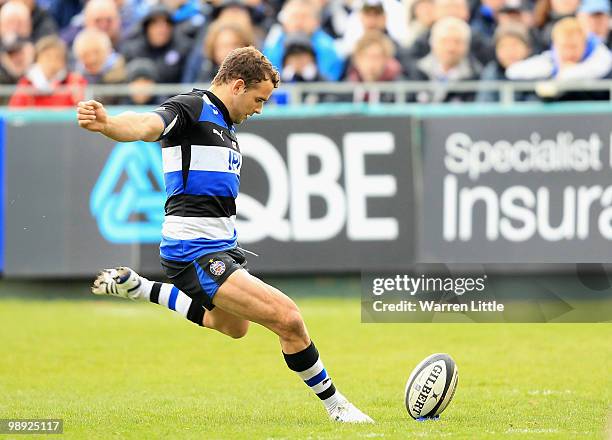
(201, 278)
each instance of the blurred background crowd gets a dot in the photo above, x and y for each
(52, 48)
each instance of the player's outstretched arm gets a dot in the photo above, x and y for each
(125, 127)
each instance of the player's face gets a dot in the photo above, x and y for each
(250, 100)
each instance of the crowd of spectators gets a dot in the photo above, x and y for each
(51, 49)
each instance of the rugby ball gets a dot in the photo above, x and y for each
(431, 386)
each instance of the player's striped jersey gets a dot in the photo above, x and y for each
(201, 161)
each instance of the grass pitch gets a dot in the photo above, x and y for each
(117, 369)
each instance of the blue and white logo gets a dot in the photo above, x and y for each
(128, 198)
(217, 268)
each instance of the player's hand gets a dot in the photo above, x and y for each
(91, 115)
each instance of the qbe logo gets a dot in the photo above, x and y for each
(128, 198)
(286, 214)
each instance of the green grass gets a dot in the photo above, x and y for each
(116, 369)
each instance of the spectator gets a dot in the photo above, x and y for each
(374, 15)
(559, 9)
(97, 14)
(299, 60)
(373, 61)
(187, 16)
(16, 57)
(131, 13)
(159, 42)
(541, 11)
(63, 11)
(15, 21)
(303, 16)
(594, 16)
(300, 65)
(449, 62)
(334, 17)
(480, 47)
(262, 13)
(574, 55)
(234, 12)
(420, 19)
(370, 17)
(512, 45)
(142, 76)
(54, 85)
(514, 11)
(222, 38)
(42, 23)
(70, 18)
(517, 12)
(97, 62)
(484, 20)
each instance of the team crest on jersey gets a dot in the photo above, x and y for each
(217, 268)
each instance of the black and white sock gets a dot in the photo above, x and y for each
(309, 367)
(168, 295)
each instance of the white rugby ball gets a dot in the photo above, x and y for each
(431, 386)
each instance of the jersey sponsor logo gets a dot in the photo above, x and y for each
(218, 133)
(217, 268)
(235, 161)
(128, 198)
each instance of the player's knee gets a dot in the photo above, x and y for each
(238, 331)
(292, 323)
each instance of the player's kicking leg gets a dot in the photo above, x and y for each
(126, 283)
(242, 298)
(250, 298)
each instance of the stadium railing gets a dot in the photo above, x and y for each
(296, 93)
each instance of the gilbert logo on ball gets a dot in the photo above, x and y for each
(431, 386)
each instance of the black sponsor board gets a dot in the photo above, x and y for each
(317, 195)
(516, 189)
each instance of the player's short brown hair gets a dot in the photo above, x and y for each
(248, 64)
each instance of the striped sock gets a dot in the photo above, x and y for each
(168, 295)
(309, 367)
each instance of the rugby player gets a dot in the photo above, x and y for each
(199, 252)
